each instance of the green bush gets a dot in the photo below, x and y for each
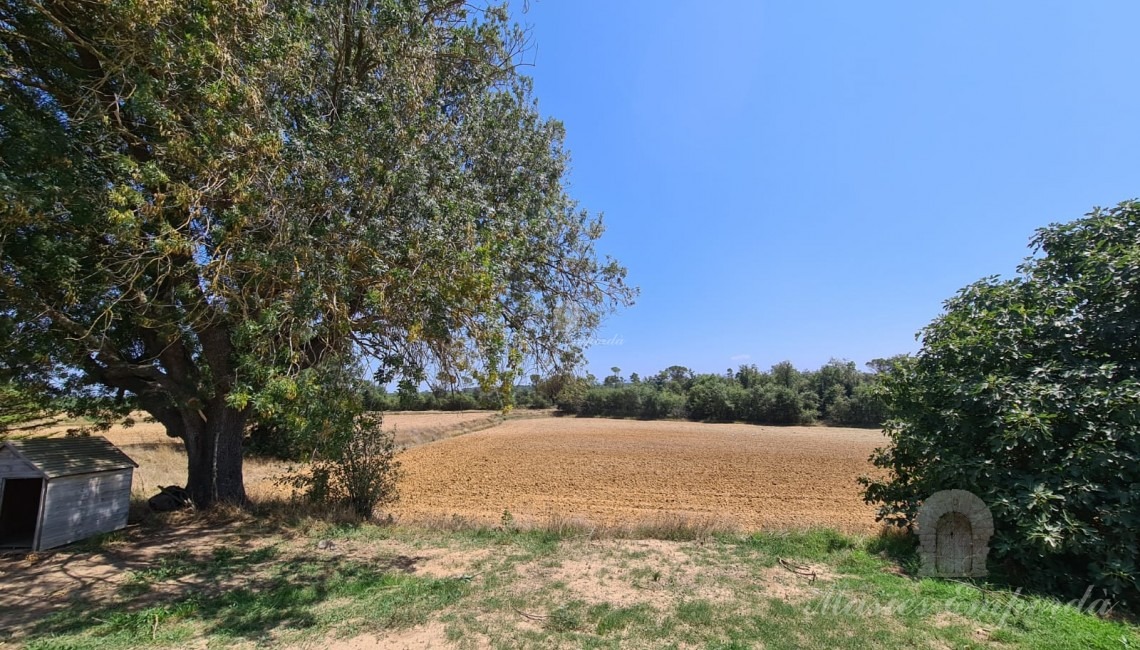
(865, 408)
(536, 400)
(773, 404)
(662, 405)
(356, 466)
(714, 398)
(458, 401)
(784, 395)
(1027, 393)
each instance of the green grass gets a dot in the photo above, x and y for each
(527, 588)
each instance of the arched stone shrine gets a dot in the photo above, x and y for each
(954, 530)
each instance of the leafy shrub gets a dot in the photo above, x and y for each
(623, 402)
(357, 466)
(775, 404)
(1027, 393)
(458, 401)
(865, 408)
(571, 396)
(714, 398)
(536, 400)
(662, 405)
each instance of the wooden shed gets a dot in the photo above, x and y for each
(54, 491)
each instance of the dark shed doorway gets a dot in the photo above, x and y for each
(20, 511)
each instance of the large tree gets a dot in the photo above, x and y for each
(204, 200)
(1027, 392)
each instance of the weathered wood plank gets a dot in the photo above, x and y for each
(76, 507)
(12, 466)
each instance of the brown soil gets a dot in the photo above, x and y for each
(616, 471)
(597, 471)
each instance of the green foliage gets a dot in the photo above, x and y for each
(865, 407)
(353, 457)
(714, 398)
(18, 406)
(361, 466)
(202, 201)
(1027, 392)
(567, 391)
(776, 404)
(461, 401)
(837, 393)
(376, 398)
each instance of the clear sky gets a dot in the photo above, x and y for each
(807, 180)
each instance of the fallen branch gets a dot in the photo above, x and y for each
(799, 569)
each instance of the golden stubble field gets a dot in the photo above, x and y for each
(599, 471)
(612, 472)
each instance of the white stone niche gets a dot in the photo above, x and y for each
(954, 530)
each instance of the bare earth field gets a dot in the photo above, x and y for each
(612, 472)
(599, 471)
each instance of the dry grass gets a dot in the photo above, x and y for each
(414, 428)
(162, 460)
(665, 526)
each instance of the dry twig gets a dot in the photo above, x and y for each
(799, 569)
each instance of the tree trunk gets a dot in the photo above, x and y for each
(214, 454)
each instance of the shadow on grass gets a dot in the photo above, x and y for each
(247, 596)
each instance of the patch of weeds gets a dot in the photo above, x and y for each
(815, 545)
(697, 613)
(566, 618)
(644, 574)
(162, 625)
(394, 600)
(226, 561)
(610, 619)
(897, 545)
(168, 567)
(296, 597)
(531, 542)
(507, 521)
(729, 645)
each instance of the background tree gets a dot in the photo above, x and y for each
(1027, 392)
(614, 379)
(207, 205)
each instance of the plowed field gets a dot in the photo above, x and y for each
(617, 471)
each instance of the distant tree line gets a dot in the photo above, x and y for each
(408, 397)
(837, 393)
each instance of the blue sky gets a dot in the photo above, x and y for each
(802, 181)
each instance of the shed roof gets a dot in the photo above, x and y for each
(57, 457)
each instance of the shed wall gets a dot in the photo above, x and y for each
(12, 466)
(76, 507)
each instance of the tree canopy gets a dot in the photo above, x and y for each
(204, 204)
(1027, 392)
